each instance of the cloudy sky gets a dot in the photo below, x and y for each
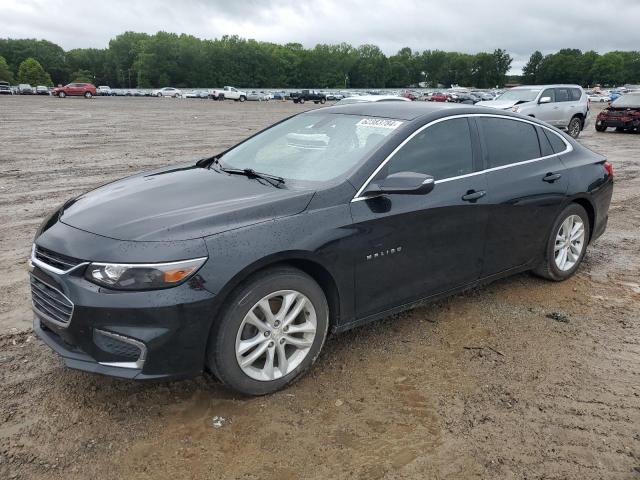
(461, 25)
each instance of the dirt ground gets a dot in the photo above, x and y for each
(483, 385)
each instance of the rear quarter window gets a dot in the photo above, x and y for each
(557, 143)
(508, 141)
(575, 94)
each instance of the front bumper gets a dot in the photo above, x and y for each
(148, 335)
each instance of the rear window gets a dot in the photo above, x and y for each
(508, 141)
(575, 94)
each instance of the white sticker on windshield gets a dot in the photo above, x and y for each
(380, 123)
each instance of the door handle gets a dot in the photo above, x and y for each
(473, 195)
(551, 177)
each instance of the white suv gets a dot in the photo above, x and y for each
(563, 106)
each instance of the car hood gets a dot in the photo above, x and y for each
(499, 104)
(180, 204)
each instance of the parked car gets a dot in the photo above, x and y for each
(467, 98)
(599, 98)
(228, 93)
(167, 92)
(372, 98)
(257, 96)
(437, 97)
(25, 89)
(623, 114)
(308, 96)
(197, 94)
(42, 90)
(86, 90)
(334, 96)
(105, 91)
(409, 94)
(5, 88)
(242, 263)
(280, 95)
(563, 106)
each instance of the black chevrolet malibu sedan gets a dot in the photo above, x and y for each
(243, 262)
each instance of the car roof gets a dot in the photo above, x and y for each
(424, 111)
(540, 87)
(399, 110)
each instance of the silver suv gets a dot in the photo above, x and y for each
(563, 106)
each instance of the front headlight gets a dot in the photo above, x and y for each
(515, 109)
(139, 276)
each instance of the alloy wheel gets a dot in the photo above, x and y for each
(569, 243)
(276, 335)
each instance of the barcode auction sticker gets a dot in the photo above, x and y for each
(380, 123)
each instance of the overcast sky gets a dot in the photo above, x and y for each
(469, 26)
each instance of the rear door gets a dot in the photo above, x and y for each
(527, 184)
(412, 246)
(565, 104)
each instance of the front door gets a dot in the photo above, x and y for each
(409, 247)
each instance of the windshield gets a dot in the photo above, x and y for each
(311, 147)
(630, 100)
(520, 95)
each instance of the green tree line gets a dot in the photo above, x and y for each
(140, 60)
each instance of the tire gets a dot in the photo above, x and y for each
(87, 95)
(600, 128)
(316, 102)
(159, 95)
(295, 100)
(255, 378)
(242, 98)
(323, 101)
(551, 268)
(301, 100)
(62, 95)
(575, 127)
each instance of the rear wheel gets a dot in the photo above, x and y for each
(301, 100)
(566, 245)
(87, 95)
(270, 333)
(575, 126)
(600, 128)
(242, 98)
(62, 94)
(322, 101)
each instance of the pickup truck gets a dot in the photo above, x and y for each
(228, 93)
(308, 95)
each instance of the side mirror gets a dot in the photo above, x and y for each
(406, 183)
(545, 100)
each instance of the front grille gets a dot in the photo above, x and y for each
(110, 343)
(56, 260)
(50, 303)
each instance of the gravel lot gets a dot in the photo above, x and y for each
(483, 385)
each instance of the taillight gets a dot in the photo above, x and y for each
(609, 168)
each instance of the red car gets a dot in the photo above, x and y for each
(438, 97)
(86, 90)
(409, 94)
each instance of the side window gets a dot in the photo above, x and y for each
(562, 94)
(508, 141)
(442, 150)
(575, 94)
(556, 142)
(549, 93)
(545, 145)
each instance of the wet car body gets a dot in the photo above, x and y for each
(371, 256)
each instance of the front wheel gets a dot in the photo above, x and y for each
(270, 333)
(323, 101)
(600, 128)
(574, 128)
(243, 98)
(566, 245)
(62, 95)
(301, 100)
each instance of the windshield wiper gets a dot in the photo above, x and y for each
(251, 173)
